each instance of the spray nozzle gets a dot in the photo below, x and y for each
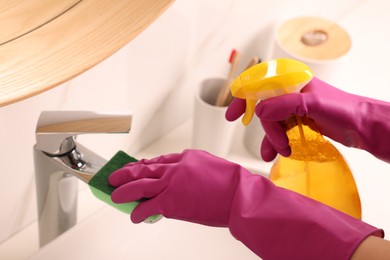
(269, 79)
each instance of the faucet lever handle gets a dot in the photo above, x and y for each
(55, 127)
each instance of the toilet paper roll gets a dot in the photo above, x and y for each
(319, 43)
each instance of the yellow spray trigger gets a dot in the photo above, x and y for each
(269, 79)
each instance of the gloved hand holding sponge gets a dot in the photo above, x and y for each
(275, 223)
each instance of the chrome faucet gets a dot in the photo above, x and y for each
(59, 158)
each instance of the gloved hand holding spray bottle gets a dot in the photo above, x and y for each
(315, 167)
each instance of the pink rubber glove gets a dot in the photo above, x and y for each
(268, 150)
(351, 120)
(273, 222)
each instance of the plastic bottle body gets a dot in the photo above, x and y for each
(316, 169)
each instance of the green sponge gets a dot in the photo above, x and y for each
(102, 189)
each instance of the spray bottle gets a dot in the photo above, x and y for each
(315, 167)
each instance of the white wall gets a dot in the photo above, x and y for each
(154, 76)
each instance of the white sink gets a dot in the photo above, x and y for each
(109, 234)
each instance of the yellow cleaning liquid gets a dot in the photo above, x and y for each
(315, 168)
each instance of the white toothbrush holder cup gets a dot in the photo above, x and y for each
(211, 131)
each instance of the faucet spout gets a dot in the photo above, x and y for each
(59, 158)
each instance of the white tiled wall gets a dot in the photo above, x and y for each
(154, 76)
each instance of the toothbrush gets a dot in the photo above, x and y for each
(255, 60)
(224, 94)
